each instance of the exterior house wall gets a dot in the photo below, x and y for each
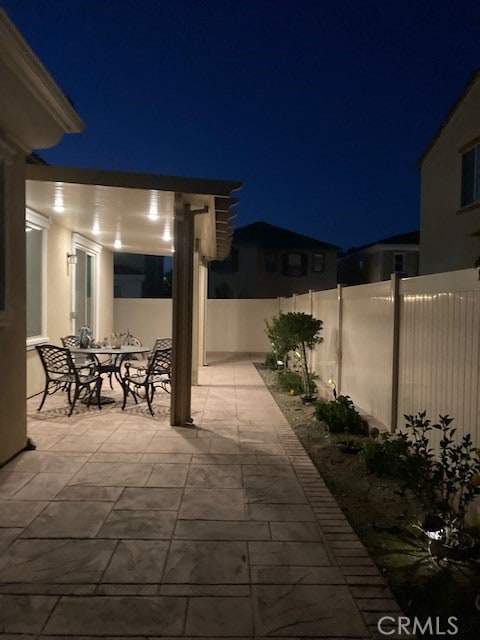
(58, 301)
(378, 264)
(13, 436)
(445, 230)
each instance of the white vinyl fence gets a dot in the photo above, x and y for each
(393, 347)
(400, 348)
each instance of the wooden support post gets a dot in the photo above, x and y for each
(182, 307)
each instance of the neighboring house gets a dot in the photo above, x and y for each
(267, 262)
(377, 261)
(450, 188)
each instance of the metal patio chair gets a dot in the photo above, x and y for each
(61, 374)
(142, 383)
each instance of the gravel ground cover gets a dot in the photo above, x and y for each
(385, 517)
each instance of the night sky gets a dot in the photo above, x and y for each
(320, 108)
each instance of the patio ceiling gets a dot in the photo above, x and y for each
(132, 212)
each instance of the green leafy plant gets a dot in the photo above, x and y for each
(292, 331)
(448, 482)
(386, 456)
(340, 415)
(291, 382)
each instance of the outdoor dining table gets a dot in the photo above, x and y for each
(119, 354)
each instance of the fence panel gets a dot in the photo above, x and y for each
(439, 348)
(325, 355)
(367, 347)
(287, 305)
(147, 318)
(239, 325)
(303, 303)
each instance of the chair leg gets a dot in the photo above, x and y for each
(98, 388)
(149, 397)
(45, 393)
(125, 394)
(75, 398)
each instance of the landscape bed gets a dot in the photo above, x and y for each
(387, 518)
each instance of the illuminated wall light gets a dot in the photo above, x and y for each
(153, 211)
(58, 205)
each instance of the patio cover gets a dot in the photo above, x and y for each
(145, 214)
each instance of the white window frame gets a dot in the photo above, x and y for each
(93, 249)
(36, 221)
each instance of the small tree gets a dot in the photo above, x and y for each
(291, 331)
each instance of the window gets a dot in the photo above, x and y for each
(271, 262)
(318, 262)
(294, 264)
(398, 262)
(36, 227)
(471, 176)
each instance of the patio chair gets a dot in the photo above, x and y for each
(143, 383)
(61, 374)
(160, 343)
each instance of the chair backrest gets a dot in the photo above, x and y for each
(71, 341)
(162, 343)
(57, 361)
(161, 362)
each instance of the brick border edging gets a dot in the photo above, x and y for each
(368, 587)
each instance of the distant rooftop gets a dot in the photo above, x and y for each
(271, 237)
(412, 237)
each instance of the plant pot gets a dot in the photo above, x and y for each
(308, 399)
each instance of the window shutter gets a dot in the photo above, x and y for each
(304, 264)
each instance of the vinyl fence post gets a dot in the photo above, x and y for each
(339, 337)
(395, 281)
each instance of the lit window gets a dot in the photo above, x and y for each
(36, 247)
(471, 176)
(318, 262)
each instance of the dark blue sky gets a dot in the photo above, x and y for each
(321, 108)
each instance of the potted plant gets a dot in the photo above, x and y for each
(295, 331)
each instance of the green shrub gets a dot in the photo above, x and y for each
(292, 331)
(340, 415)
(386, 457)
(291, 381)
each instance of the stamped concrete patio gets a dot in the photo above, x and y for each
(120, 525)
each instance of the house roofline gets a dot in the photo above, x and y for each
(473, 78)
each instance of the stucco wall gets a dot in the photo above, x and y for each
(445, 230)
(12, 336)
(59, 299)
